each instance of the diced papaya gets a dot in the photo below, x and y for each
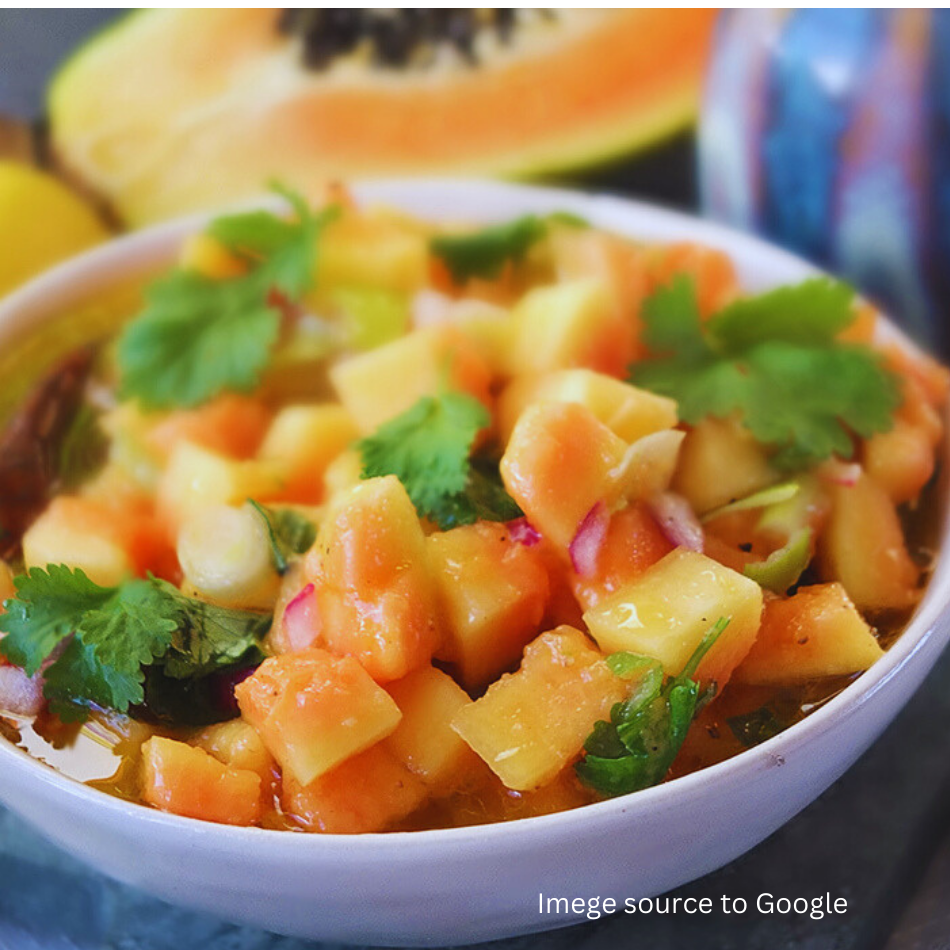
(230, 424)
(711, 270)
(721, 462)
(816, 632)
(424, 741)
(493, 592)
(306, 439)
(863, 547)
(368, 792)
(628, 412)
(374, 593)
(7, 588)
(380, 384)
(900, 460)
(666, 611)
(570, 324)
(238, 744)
(533, 723)
(314, 710)
(559, 463)
(197, 478)
(187, 781)
(633, 543)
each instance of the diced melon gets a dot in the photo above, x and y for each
(7, 588)
(901, 460)
(306, 439)
(533, 723)
(380, 384)
(368, 792)
(197, 478)
(817, 632)
(569, 324)
(666, 611)
(179, 778)
(633, 544)
(560, 462)
(80, 533)
(628, 412)
(493, 592)
(721, 462)
(863, 547)
(238, 744)
(375, 596)
(314, 710)
(424, 741)
(710, 269)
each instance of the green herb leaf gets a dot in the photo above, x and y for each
(114, 634)
(755, 727)
(427, 448)
(637, 747)
(484, 253)
(773, 359)
(289, 532)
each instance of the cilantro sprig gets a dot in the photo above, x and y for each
(199, 336)
(289, 533)
(636, 748)
(101, 640)
(485, 252)
(428, 449)
(775, 359)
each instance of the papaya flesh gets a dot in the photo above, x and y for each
(174, 110)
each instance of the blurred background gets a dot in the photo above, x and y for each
(823, 130)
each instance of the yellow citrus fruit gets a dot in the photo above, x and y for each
(41, 222)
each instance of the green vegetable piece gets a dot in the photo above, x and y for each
(782, 568)
(755, 727)
(637, 747)
(83, 449)
(484, 253)
(427, 448)
(371, 317)
(775, 360)
(288, 531)
(774, 495)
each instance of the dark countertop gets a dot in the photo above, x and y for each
(878, 837)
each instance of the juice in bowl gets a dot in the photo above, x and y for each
(377, 524)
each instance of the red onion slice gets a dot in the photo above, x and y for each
(591, 532)
(522, 531)
(20, 694)
(301, 620)
(839, 472)
(678, 521)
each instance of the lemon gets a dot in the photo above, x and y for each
(41, 222)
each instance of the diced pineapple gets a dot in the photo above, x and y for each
(368, 792)
(666, 611)
(863, 547)
(493, 593)
(628, 412)
(721, 462)
(375, 596)
(179, 778)
(380, 384)
(342, 473)
(237, 744)
(306, 439)
(533, 723)
(569, 324)
(817, 632)
(83, 534)
(560, 462)
(210, 258)
(373, 249)
(424, 741)
(197, 478)
(314, 710)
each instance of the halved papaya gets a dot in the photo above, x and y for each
(171, 110)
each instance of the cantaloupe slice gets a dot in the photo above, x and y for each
(817, 632)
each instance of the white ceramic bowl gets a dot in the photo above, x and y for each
(469, 884)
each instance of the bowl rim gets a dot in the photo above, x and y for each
(47, 294)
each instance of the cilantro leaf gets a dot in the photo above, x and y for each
(774, 360)
(289, 533)
(646, 731)
(755, 727)
(198, 336)
(484, 253)
(101, 640)
(427, 448)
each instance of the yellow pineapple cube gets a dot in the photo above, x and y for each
(533, 723)
(238, 744)
(665, 612)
